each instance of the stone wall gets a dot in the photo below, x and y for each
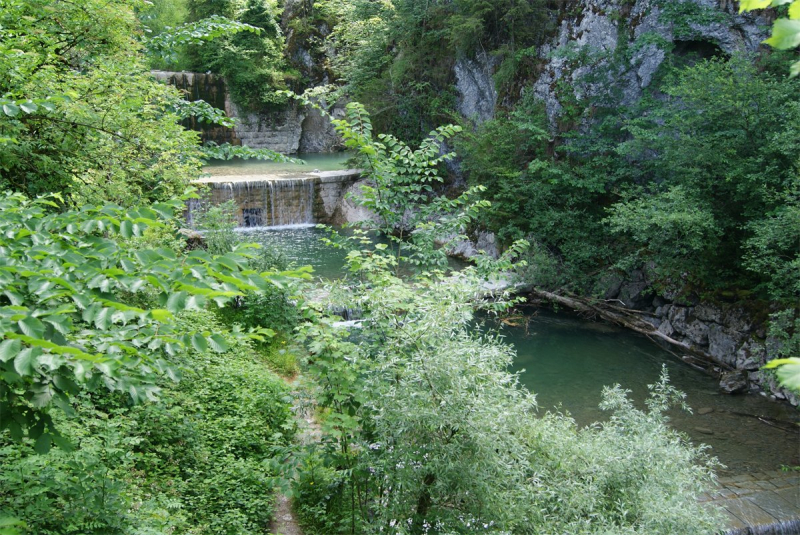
(209, 88)
(288, 131)
(732, 335)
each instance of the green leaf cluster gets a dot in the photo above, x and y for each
(82, 309)
(397, 56)
(81, 114)
(251, 61)
(193, 462)
(425, 430)
(785, 31)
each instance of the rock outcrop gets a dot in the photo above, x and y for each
(731, 335)
(476, 89)
(609, 51)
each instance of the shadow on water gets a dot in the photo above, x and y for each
(566, 361)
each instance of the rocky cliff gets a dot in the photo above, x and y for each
(731, 334)
(608, 52)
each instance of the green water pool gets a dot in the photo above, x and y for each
(566, 361)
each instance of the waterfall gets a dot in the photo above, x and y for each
(266, 202)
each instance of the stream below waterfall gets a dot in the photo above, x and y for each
(566, 361)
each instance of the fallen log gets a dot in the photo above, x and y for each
(624, 318)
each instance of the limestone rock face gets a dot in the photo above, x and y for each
(349, 211)
(318, 134)
(733, 383)
(722, 344)
(482, 241)
(477, 93)
(279, 131)
(584, 52)
(728, 334)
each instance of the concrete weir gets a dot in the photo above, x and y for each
(759, 503)
(281, 200)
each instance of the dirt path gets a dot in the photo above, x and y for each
(285, 521)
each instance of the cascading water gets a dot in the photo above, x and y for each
(267, 202)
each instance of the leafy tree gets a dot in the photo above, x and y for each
(251, 63)
(424, 430)
(75, 312)
(726, 139)
(81, 115)
(400, 189)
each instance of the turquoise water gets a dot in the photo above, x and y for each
(566, 361)
(302, 246)
(313, 162)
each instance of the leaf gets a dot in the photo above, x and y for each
(794, 10)
(218, 343)
(199, 342)
(42, 396)
(31, 326)
(62, 442)
(9, 349)
(26, 359)
(794, 70)
(749, 5)
(29, 106)
(785, 34)
(126, 229)
(161, 315)
(43, 443)
(788, 372)
(11, 109)
(176, 302)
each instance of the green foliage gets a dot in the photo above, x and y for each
(158, 15)
(397, 57)
(671, 226)
(400, 192)
(684, 16)
(788, 372)
(425, 430)
(70, 286)
(773, 248)
(699, 183)
(195, 462)
(726, 139)
(218, 223)
(81, 115)
(251, 62)
(167, 43)
(784, 332)
(785, 31)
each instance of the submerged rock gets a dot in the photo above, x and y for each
(733, 382)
